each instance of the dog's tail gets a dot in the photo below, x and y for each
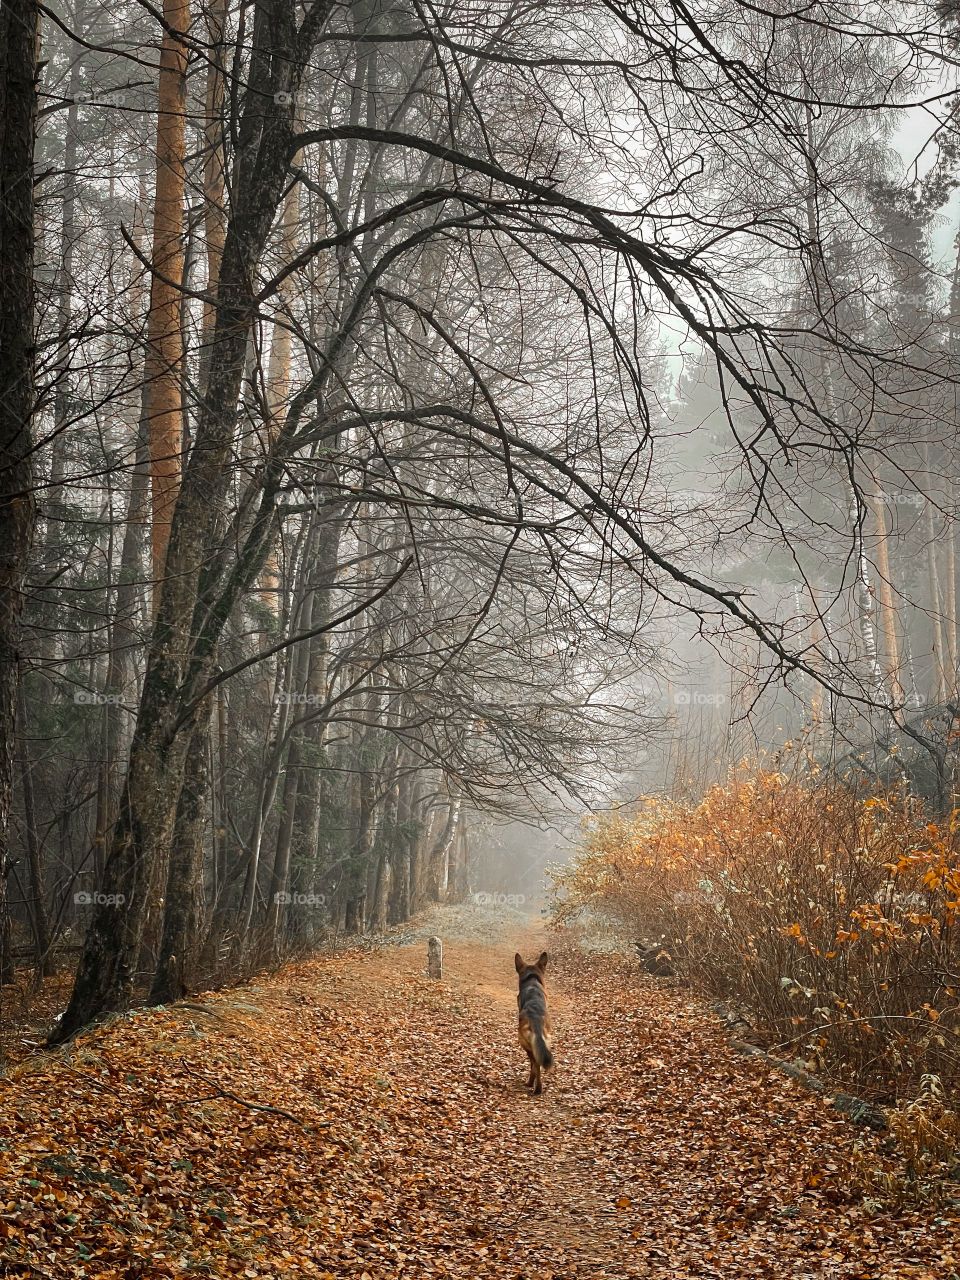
(541, 1050)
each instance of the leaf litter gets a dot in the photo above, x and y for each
(348, 1117)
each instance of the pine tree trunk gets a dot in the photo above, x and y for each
(164, 350)
(936, 610)
(950, 573)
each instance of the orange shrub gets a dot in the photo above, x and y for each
(827, 916)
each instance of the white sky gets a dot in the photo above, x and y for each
(912, 141)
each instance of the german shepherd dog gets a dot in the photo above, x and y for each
(535, 1027)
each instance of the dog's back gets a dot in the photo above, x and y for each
(535, 1028)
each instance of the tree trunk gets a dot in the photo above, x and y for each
(280, 872)
(43, 934)
(460, 878)
(53, 507)
(438, 874)
(278, 373)
(387, 860)
(950, 572)
(888, 613)
(399, 905)
(939, 664)
(164, 350)
(120, 683)
(195, 601)
(214, 163)
(306, 818)
(19, 52)
(269, 783)
(183, 911)
(301, 613)
(420, 860)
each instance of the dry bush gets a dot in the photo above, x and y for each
(918, 1162)
(828, 916)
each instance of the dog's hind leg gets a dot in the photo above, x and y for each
(535, 1074)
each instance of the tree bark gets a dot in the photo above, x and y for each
(278, 372)
(164, 350)
(404, 838)
(53, 506)
(936, 614)
(183, 908)
(302, 612)
(888, 613)
(438, 874)
(43, 934)
(120, 682)
(950, 572)
(19, 52)
(214, 167)
(305, 834)
(387, 860)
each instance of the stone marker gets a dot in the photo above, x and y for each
(435, 957)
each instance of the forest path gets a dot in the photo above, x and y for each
(402, 1143)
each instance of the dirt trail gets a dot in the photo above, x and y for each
(654, 1151)
(560, 1212)
(402, 1143)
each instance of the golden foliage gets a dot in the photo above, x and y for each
(829, 915)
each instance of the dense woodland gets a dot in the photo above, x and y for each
(417, 418)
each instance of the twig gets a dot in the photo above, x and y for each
(225, 1093)
(496, 1221)
(188, 1102)
(850, 1022)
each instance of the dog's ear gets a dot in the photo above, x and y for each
(518, 961)
(542, 960)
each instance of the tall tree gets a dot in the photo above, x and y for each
(190, 616)
(19, 53)
(163, 370)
